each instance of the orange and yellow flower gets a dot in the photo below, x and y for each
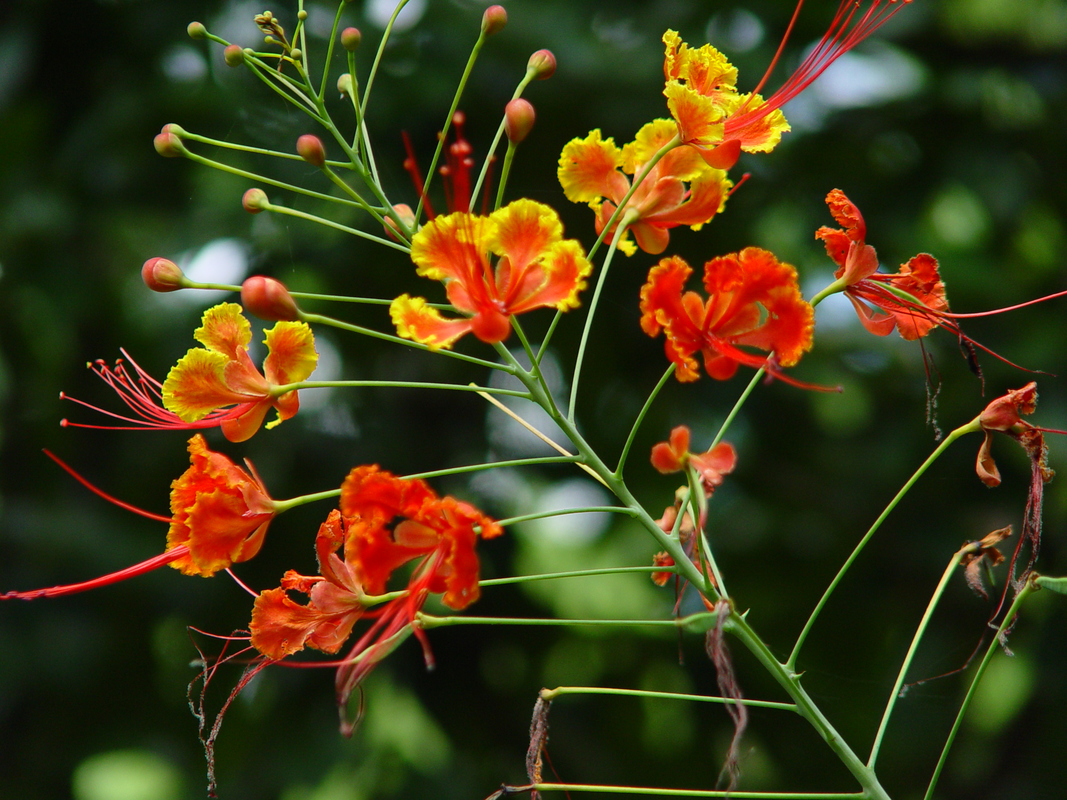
(219, 513)
(679, 190)
(221, 373)
(719, 122)
(753, 301)
(912, 301)
(535, 267)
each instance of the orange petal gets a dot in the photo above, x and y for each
(225, 330)
(588, 169)
(415, 320)
(197, 385)
(292, 357)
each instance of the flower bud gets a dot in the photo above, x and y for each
(175, 128)
(542, 64)
(350, 39)
(162, 275)
(169, 145)
(518, 119)
(234, 55)
(493, 20)
(268, 299)
(344, 85)
(403, 210)
(196, 30)
(254, 200)
(310, 148)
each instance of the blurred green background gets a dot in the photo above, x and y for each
(946, 130)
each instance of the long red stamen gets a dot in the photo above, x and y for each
(104, 580)
(840, 37)
(101, 493)
(1007, 308)
(781, 47)
(143, 395)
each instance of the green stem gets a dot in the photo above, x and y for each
(552, 694)
(304, 499)
(385, 337)
(806, 707)
(660, 792)
(641, 418)
(565, 511)
(448, 120)
(700, 621)
(329, 223)
(329, 49)
(277, 391)
(496, 139)
(970, 427)
(505, 170)
(726, 423)
(601, 279)
(515, 462)
(244, 148)
(837, 286)
(894, 695)
(378, 57)
(241, 173)
(580, 573)
(1009, 617)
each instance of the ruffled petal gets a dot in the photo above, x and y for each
(563, 270)
(292, 357)
(452, 247)
(416, 320)
(225, 330)
(522, 231)
(588, 169)
(197, 385)
(757, 129)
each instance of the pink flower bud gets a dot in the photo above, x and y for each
(350, 39)
(542, 64)
(404, 211)
(518, 119)
(255, 200)
(162, 275)
(493, 20)
(268, 299)
(196, 30)
(310, 148)
(168, 145)
(234, 55)
(175, 128)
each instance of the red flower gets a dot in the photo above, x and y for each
(220, 513)
(384, 523)
(719, 122)
(219, 516)
(679, 190)
(1004, 415)
(753, 301)
(535, 268)
(281, 627)
(712, 466)
(912, 301)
